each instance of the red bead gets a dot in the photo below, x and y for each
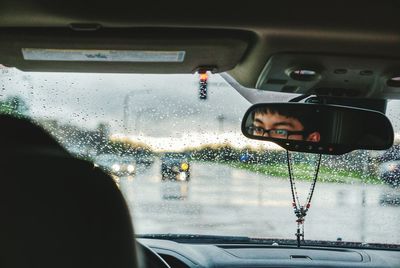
(308, 205)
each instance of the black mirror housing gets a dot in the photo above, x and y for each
(315, 128)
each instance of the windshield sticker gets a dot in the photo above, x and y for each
(102, 55)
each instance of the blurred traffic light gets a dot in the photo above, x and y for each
(203, 86)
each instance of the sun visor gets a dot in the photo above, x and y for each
(122, 51)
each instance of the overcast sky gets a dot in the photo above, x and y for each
(159, 105)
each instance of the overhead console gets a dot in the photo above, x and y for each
(331, 75)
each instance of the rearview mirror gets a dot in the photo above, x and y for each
(314, 128)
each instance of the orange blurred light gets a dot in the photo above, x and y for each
(203, 76)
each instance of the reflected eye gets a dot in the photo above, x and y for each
(257, 130)
(279, 132)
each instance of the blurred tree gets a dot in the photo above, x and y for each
(120, 147)
(15, 106)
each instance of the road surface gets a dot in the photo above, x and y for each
(221, 200)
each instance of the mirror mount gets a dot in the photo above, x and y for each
(378, 105)
(299, 98)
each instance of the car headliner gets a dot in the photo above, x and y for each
(219, 36)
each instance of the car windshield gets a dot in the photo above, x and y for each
(221, 183)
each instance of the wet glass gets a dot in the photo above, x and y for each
(233, 186)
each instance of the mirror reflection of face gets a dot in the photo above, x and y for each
(275, 125)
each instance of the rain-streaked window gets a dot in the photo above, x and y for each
(184, 167)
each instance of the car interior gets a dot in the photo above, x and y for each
(342, 54)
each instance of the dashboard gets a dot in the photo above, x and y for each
(180, 255)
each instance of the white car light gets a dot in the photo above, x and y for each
(131, 168)
(116, 167)
(388, 167)
(392, 167)
(181, 176)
